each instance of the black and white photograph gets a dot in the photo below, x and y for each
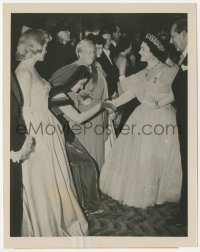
(99, 108)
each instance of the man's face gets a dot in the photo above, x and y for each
(65, 35)
(107, 38)
(117, 34)
(99, 50)
(179, 39)
(88, 55)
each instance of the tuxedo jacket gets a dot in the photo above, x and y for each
(113, 52)
(180, 91)
(17, 136)
(112, 73)
(16, 141)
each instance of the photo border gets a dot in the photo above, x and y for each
(96, 241)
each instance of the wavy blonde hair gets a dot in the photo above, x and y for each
(31, 42)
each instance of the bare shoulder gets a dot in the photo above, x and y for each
(23, 74)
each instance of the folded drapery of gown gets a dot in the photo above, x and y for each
(50, 204)
(144, 166)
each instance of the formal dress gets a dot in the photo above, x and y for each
(83, 166)
(92, 133)
(50, 204)
(144, 166)
(179, 88)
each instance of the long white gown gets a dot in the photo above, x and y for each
(50, 205)
(144, 166)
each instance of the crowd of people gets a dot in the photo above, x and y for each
(107, 114)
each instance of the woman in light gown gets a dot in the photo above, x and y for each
(144, 166)
(50, 205)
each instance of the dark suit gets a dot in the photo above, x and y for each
(17, 138)
(112, 74)
(113, 52)
(180, 88)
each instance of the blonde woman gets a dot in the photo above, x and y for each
(50, 206)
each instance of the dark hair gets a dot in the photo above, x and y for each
(104, 31)
(124, 44)
(180, 25)
(66, 77)
(60, 27)
(113, 28)
(96, 39)
(156, 47)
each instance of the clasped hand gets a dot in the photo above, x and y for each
(109, 106)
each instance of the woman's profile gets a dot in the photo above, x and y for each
(50, 205)
(144, 166)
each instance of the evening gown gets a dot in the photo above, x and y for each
(83, 167)
(50, 205)
(92, 134)
(144, 165)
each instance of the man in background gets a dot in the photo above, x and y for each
(179, 88)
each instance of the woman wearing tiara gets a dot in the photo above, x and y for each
(144, 165)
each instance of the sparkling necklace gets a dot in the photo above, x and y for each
(148, 69)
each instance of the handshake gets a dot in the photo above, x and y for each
(110, 107)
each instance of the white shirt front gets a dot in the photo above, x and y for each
(107, 53)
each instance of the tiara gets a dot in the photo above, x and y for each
(155, 41)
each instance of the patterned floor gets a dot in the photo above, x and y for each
(119, 220)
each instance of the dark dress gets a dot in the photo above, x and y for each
(17, 139)
(83, 167)
(179, 88)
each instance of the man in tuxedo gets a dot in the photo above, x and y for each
(17, 138)
(109, 67)
(115, 35)
(179, 88)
